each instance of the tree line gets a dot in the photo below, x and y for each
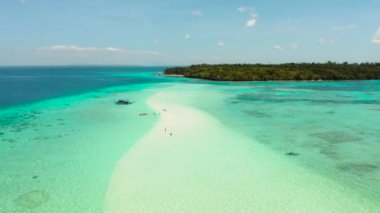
(279, 72)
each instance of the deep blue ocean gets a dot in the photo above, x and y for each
(20, 85)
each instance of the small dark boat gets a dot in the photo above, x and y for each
(123, 102)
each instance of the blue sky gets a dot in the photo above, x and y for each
(178, 32)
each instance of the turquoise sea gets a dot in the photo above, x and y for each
(61, 135)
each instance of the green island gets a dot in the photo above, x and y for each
(279, 72)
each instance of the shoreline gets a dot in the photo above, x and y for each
(190, 161)
(172, 75)
(286, 71)
(269, 81)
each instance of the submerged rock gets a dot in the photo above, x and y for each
(32, 199)
(336, 137)
(257, 114)
(9, 140)
(330, 153)
(358, 167)
(292, 154)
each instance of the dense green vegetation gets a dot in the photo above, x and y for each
(277, 72)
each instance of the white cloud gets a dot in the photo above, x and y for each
(278, 47)
(144, 52)
(251, 23)
(119, 14)
(113, 49)
(323, 41)
(70, 48)
(197, 13)
(295, 46)
(343, 27)
(23, 2)
(242, 9)
(376, 38)
(221, 43)
(187, 36)
(74, 48)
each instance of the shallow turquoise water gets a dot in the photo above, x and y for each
(58, 153)
(332, 128)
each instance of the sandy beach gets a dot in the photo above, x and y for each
(190, 162)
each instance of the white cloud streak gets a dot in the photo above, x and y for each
(221, 43)
(75, 48)
(343, 28)
(23, 2)
(71, 48)
(376, 38)
(295, 46)
(278, 47)
(323, 41)
(251, 23)
(197, 13)
(242, 9)
(187, 36)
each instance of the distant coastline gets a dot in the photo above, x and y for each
(173, 75)
(279, 72)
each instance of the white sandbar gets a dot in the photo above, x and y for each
(205, 166)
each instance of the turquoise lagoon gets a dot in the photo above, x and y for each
(61, 134)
